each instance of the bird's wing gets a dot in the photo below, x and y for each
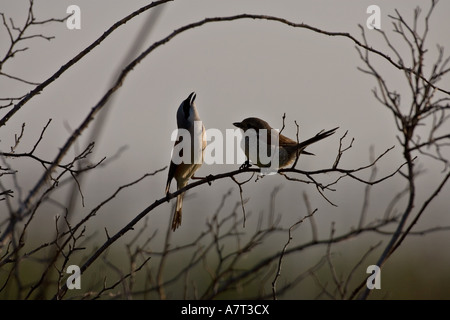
(173, 168)
(285, 141)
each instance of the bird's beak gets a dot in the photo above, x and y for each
(191, 98)
(237, 124)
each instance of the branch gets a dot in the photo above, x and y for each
(77, 58)
(280, 260)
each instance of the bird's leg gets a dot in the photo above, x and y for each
(169, 196)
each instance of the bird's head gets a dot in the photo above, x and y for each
(187, 112)
(252, 123)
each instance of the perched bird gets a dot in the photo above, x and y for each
(289, 149)
(182, 170)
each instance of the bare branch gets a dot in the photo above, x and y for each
(280, 260)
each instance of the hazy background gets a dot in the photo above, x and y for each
(238, 69)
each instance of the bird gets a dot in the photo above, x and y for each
(289, 149)
(182, 170)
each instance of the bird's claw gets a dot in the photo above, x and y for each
(209, 179)
(245, 165)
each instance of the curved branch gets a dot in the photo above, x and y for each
(111, 239)
(74, 60)
(145, 53)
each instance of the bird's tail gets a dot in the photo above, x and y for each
(176, 222)
(317, 137)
